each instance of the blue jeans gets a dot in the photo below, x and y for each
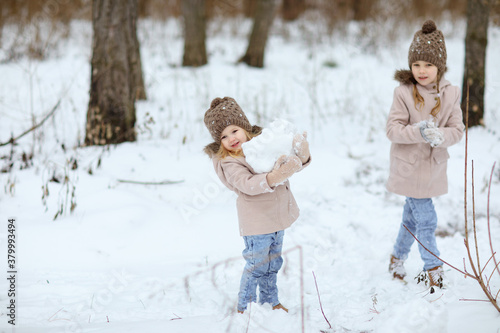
(420, 217)
(263, 256)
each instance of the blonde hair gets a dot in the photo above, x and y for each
(419, 100)
(222, 153)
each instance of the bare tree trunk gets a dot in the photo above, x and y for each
(2, 18)
(135, 55)
(194, 13)
(263, 19)
(291, 9)
(249, 8)
(111, 113)
(361, 9)
(476, 41)
(142, 9)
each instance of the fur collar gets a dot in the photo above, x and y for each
(404, 76)
(212, 148)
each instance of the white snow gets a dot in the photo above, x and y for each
(276, 140)
(167, 258)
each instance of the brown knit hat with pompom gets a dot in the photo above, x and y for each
(222, 113)
(428, 45)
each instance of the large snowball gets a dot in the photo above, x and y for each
(276, 140)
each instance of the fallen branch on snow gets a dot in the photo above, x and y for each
(164, 182)
(50, 114)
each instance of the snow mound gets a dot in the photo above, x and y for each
(276, 140)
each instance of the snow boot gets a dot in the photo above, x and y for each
(397, 268)
(436, 278)
(280, 306)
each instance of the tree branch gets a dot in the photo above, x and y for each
(319, 299)
(457, 269)
(488, 218)
(164, 182)
(50, 114)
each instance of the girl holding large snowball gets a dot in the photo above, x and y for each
(265, 204)
(425, 119)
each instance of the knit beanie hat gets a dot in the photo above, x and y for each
(428, 45)
(222, 113)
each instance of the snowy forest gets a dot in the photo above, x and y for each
(114, 220)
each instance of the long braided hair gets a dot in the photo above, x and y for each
(419, 100)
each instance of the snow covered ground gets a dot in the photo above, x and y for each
(167, 258)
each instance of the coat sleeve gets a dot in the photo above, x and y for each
(305, 165)
(398, 128)
(242, 179)
(453, 129)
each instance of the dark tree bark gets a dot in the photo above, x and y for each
(1, 25)
(142, 9)
(263, 19)
(361, 9)
(114, 69)
(194, 13)
(476, 41)
(292, 9)
(135, 56)
(249, 8)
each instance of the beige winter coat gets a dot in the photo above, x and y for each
(417, 170)
(261, 209)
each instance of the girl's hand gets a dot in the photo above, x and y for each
(284, 168)
(301, 147)
(433, 135)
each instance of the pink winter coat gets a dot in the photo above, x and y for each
(261, 209)
(416, 169)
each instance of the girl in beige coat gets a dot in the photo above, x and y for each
(425, 119)
(265, 204)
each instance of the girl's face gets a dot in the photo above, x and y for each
(424, 72)
(232, 137)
